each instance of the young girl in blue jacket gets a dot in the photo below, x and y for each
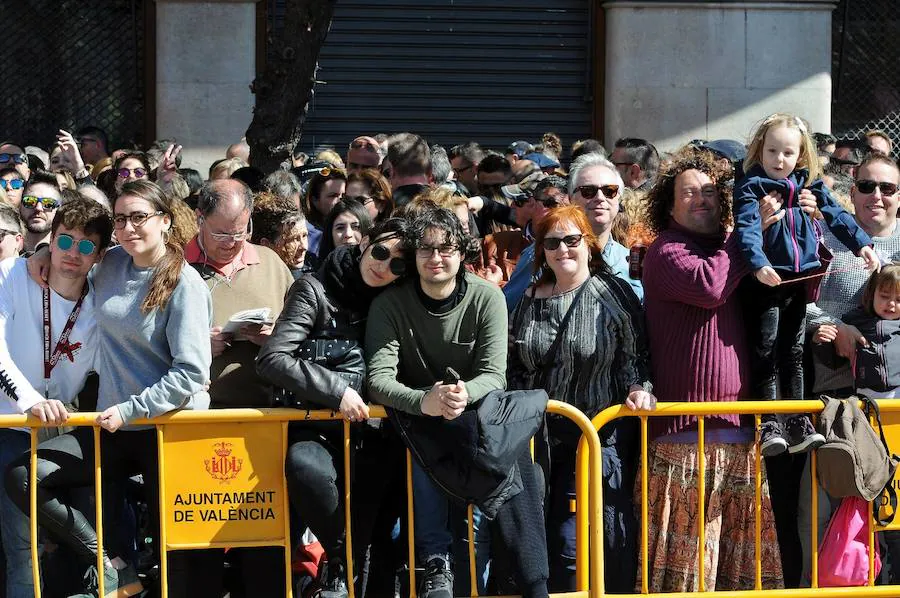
(782, 159)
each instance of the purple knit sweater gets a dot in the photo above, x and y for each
(697, 340)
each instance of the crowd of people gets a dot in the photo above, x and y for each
(461, 289)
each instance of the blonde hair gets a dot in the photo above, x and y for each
(808, 154)
(441, 197)
(225, 168)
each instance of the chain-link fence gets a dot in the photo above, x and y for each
(866, 68)
(69, 64)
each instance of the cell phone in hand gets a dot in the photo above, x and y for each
(450, 376)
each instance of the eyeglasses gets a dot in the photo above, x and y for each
(16, 158)
(363, 199)
(617, 164)
(462, 169)
(426, 251)
(85, 246)
(553, 243)
(396, 264)
(124, 173)
(11, 184)
(137, 219)
(867, 187)
(48, 203)
(230, 237)
(590, 191)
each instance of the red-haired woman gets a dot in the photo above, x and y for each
(578, 333)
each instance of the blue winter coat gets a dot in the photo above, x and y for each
(791, 243)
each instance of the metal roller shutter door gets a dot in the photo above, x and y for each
(453, 71)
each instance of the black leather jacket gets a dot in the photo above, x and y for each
(315, 351)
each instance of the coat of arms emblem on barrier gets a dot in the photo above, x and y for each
(223, 466)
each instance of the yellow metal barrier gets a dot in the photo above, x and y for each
(176, 432)
(755, 408)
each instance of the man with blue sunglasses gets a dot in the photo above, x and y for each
(79, 235)
(13, 155)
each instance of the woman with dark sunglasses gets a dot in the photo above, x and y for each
(315, 355)
(578, 333)
(13, 184)
(131, 166)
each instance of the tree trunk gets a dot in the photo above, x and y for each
(284, 89)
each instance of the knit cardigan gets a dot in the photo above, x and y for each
(694, 324)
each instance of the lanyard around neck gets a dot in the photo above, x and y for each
(50, 361)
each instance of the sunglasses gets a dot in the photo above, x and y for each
(124, 173)
(868, 187)
(85, 246)
(547, 202)
(590, 191)
(363, 199)
(48, 203)
(553, 243)
(12, 184)
(396, 264)
(16, 158)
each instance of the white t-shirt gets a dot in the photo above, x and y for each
(22, 337)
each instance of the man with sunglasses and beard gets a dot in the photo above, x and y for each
(41, 197)
(79, 235)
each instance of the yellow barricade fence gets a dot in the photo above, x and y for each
(890, 415)
(222, 485)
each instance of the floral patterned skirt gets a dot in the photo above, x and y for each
(730, 555)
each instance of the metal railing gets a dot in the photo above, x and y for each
(589, 533)
(755, 408)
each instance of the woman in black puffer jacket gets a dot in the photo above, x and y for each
(315, 356)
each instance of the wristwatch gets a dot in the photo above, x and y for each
(82, 174)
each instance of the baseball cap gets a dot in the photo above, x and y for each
(542, 160)
(730, 149)
(524, 188)
(519, 148)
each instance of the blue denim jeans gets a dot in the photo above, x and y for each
(441, 529)
(14, 525)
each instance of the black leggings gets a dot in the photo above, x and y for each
(67, 461)
(314, 469)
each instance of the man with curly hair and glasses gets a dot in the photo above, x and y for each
(435, 345)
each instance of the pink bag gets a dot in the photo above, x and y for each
(844, 552)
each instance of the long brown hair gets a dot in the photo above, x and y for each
(168, 269)
(561, 216)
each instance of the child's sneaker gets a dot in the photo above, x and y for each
(802, 436)
(771, 438)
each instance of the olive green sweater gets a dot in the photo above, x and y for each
(409, 347)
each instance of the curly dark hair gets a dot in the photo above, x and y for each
(447, 222)
(661, 197)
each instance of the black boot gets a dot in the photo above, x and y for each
(332, 579)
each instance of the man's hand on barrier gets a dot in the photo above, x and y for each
(51, 412)
(639, 399)
(110, 420)
(353, 407)
(39, 267)
(847, 339)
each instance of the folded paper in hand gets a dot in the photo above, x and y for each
(260, 316)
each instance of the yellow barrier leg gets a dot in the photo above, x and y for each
(286, 506)
(814, 518)
(582, 526)
(473, 577)
(645, 566)
(163, 550)
(701, 499)
(32, 500)
(410, 526)
(98, 495)
(757, 519)
(348, 541)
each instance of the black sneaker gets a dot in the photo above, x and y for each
(333, 580)
(771, 438)
(802, 436)
(438, 581)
